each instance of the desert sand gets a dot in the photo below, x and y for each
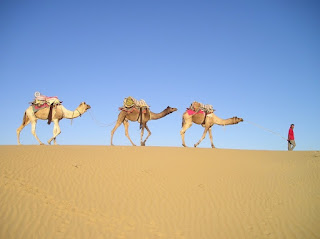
(158, 192)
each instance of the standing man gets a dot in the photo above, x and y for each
(291, 142)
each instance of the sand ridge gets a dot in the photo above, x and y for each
(157, 192)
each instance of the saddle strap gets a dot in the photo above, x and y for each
(50, 114)
(205, 116)
(140, 116)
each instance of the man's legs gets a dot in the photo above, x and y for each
(291, 145)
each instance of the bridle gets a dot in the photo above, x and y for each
(79, 112)
(73, 114)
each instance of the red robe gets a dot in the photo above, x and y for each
(290, 134)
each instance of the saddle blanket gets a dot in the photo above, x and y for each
(192, 112)
(36, 108)
(42, 101)
(130, 110)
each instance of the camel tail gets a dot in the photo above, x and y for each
(25, 119)
(182, 122)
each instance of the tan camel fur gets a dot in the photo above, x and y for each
(58, 113)
(207, 122)
(124, 117)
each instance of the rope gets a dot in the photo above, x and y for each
(100, 124)
(259, 126)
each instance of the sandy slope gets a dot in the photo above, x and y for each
(157, 192)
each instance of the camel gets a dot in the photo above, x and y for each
(134, 116)
(58, 113)
(207, 121)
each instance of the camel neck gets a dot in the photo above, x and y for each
(220, 121)
(155, 116)
(68, 114)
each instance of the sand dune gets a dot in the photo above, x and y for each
(157, 192)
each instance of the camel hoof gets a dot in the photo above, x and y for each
(195, 145)
(143, 144)
(184, 145)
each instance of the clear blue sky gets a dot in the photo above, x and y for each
(259, 60)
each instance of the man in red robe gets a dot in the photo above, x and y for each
(291, 142)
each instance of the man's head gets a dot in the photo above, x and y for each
(292, 126)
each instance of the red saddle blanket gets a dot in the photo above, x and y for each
(36, 108)
(192, 112)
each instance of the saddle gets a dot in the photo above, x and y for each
(130, 105)
(42, 101)
(199, 108)
(131, 102)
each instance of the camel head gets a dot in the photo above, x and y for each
(170, 110)
(237, 120)
(84, 107)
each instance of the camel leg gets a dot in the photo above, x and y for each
(149, 133)
(120, 120)
(24, 124)
(114, 130)
(33, 131)
(56, 132)
(210, 135)
(203, 136)
(126, 127)
(185, 126)
(141, 136)
(55, 138)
